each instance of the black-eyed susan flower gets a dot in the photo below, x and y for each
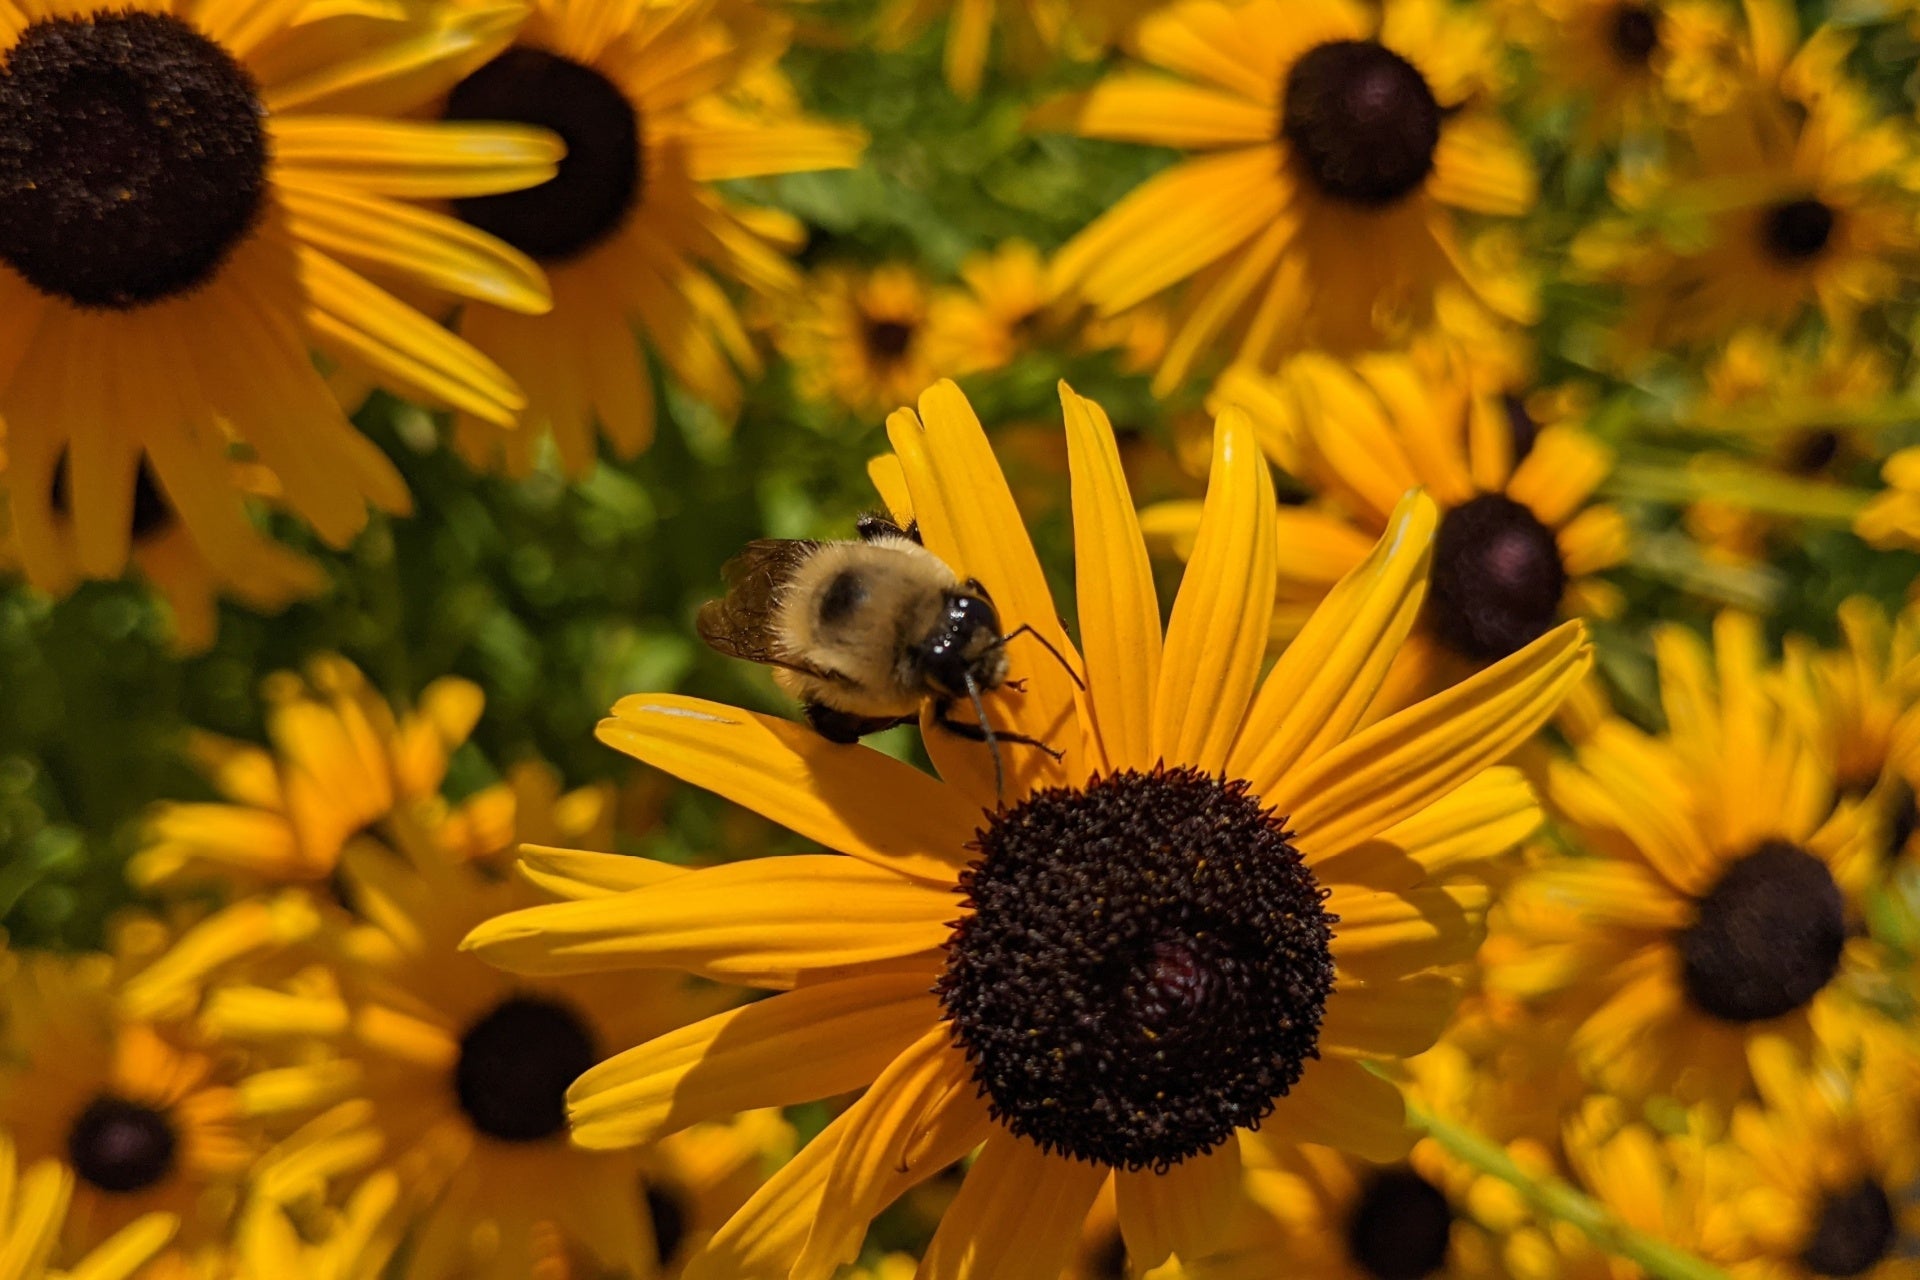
(195, 197)
(33, 1210)
(1000, 313)
(1204, 914)
(1833, 1152)
(633, 233)
(1635, 66)
(143, 1123)
(861, 339)
(466, 1068)
(1339, 142)
(1715, 900)
(341, 760)
(1521, 536)
(1791, 201)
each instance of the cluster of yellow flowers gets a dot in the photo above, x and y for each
(1340, 915)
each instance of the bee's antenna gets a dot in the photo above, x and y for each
(1026, 629)
(993, 746)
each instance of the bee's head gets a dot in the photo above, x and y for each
(966, 643)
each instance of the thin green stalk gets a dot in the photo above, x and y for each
(1555, 1199)
(1746, 487)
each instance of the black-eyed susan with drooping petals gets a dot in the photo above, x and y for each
(633, 231)
(1339, 144)
(1521, 537)
(1722, 886)
(1224, 879)
(1793, 201)
(862, 339)
(1832, 1146)
(194, 200)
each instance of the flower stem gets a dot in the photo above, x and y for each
(1556, 1199)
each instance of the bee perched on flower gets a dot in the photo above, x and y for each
(1203, 909)
(195, 197)
(1342, 143)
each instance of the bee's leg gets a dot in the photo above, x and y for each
(873, 525)
(943, 716)
(844, 727)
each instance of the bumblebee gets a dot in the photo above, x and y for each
(864, 632)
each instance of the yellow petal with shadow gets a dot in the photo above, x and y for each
(850, 798)
(968, 518)
(1595, 539)
(1391, 770)
(37, 1209)
(1152, 109)
(1217, 635)
(922, 1114)
(766, 922)
(579, 873)
(890, 482)
(1338, 1103)
(1565, 466)
(416, 161)
(795, 1047)
(1485, 817)
(1384, 935)
(1390, 1018)
(1017, 1217)
(1187, 1210)
(1324, 682)
(126, 1251)
(1113, 580)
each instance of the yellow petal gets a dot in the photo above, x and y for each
(1217, 635)
(787, 1049)
(37, 1212)
(1564, 468)
(1486, 817)
(849, 798)
(1597, 538)
(1391, 770)
(968, 518)
(1152, 109)
(1480, 166)
(1017, 1217)
(1340, 1104)
(1384, 935)
(578, 873)
(1119, 615)
(127, 1250)
(1186, 1210)
(1392, 1018)
(415, 161)
(921, 1115)
(763, 922)
(1327, 678)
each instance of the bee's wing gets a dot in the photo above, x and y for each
(741, 624)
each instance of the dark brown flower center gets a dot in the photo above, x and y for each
(1399, 1226)
(1856, 1229)
(887, 340)
(602, 175)
(133, 157)
(1767, 936)
(1142, 967)
(120, 1145)
(1903, 816)
(1363, 121)
(1796, 231)
(515, 1065)
(1634, 33)
(1497, 578)
(1809, 452)
(667, 1210)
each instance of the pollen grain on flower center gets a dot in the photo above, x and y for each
(515, 1065)
(1143, 967)
(1363, 121)
(133, 159)
(602, 175)
(1767, 937)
